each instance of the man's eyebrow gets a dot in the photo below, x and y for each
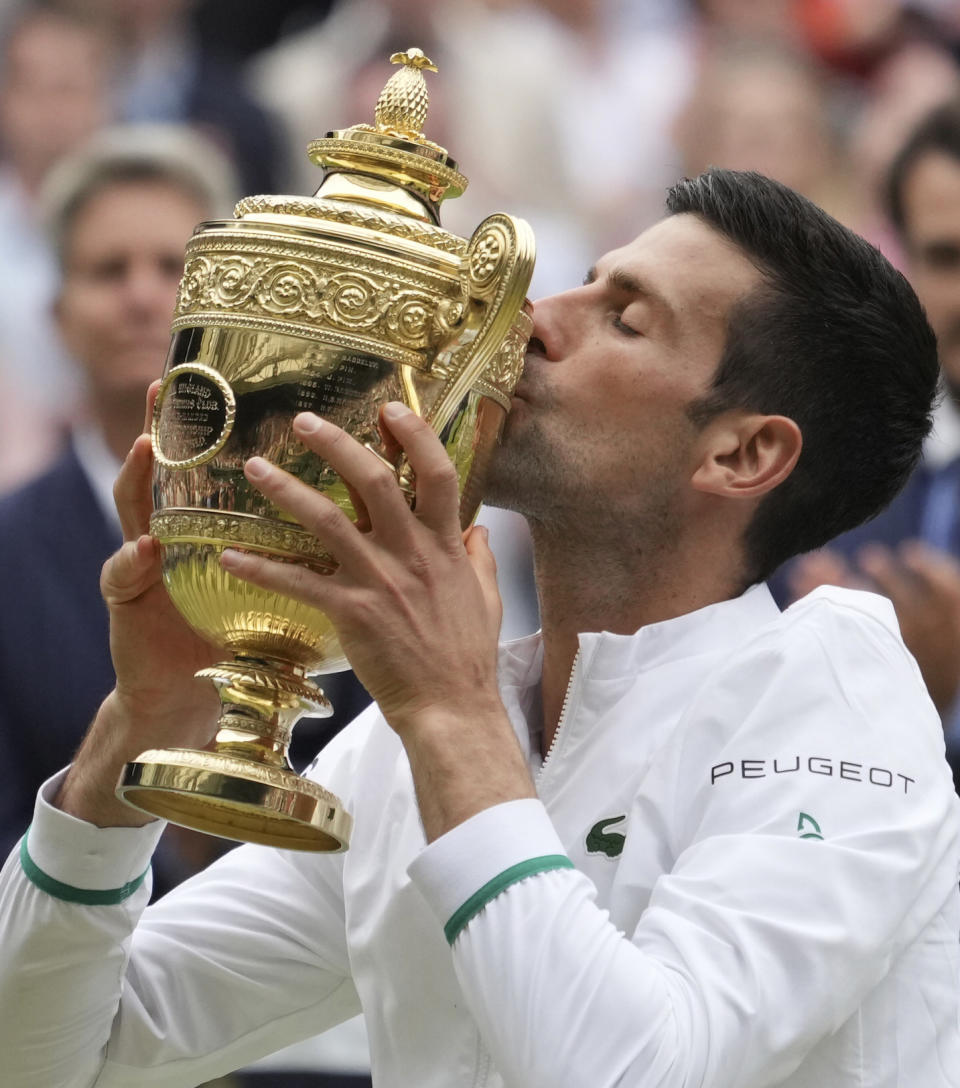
(620, 279)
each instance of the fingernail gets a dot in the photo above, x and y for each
(308, 422)
(394, 409)
(230, 558)
(256, 468)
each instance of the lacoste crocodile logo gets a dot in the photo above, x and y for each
(601, 841)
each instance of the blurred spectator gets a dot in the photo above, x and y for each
(769, 103)
(760, 106)
(911, 552)
(53, 96)
(903, 88)
(121, 211)
(165, 72)
(30, 434)
(858, 36)
(849, 33)
(620, 76)
(768, 20)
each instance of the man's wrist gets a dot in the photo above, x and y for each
(463, 762)
(89, 789)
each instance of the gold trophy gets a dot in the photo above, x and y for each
(335, 304)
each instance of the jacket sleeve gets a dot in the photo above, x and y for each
(765, 935)
(238, 962)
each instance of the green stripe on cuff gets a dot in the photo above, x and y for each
(465, 914)
(85, 896)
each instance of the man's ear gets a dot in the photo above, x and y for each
(746, 455)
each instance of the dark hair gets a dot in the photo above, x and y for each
(835, 339)
(938, 132)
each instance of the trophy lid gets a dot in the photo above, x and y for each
(394, 149)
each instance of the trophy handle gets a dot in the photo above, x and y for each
(495, 275)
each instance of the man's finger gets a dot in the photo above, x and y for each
(476, 542)
(438, 492)
(314, 511)
(152, 390)
(290, 579)
(132, 490)
(130, 571)
(367, 475)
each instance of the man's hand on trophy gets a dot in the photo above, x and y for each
(414, 601)
(155, 653)
(156, 701)
(416, 607)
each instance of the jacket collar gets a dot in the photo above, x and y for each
(723, 625)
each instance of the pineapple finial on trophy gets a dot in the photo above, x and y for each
(402, 106)
(393, 148)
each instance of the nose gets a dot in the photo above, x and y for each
(553, 321)
(149, 291)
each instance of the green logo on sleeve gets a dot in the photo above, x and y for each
(808, 827)
(601, 841)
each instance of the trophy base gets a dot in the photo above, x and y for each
(243, 786)
(236, 798)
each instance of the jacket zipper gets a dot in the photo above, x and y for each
(561, 721)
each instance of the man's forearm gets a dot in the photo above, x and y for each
(88, 791)
(463, 764)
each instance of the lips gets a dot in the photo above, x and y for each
(520, 393)
(525, 384)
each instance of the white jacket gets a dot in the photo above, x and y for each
(742, 871)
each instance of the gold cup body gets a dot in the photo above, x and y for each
(334, 304)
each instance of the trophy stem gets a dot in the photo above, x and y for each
(243, 787)
(262, 698)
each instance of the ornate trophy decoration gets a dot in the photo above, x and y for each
(336, 304)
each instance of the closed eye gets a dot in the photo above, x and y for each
(621, 326)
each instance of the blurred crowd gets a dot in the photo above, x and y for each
(575, 114)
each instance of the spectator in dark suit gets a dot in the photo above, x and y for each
(121, 212)
(911, 552)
